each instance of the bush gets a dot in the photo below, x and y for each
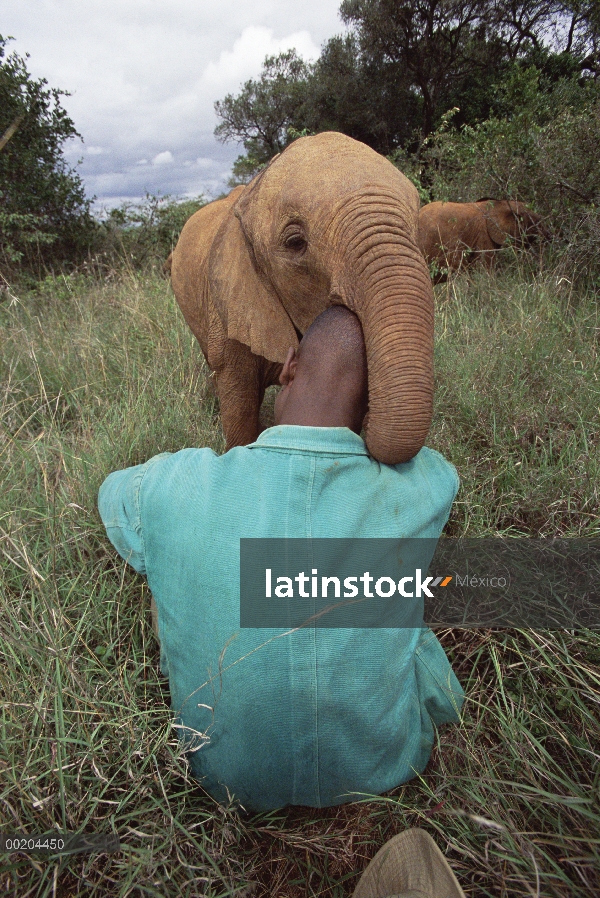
(143, 235)
(45, 217)
(545, 154)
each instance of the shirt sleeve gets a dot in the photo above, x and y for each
(119, 507)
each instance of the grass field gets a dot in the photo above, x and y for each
(99, 374)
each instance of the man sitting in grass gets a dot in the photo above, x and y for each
(312, 716)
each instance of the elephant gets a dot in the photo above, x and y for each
(455, 234)
(328, 221)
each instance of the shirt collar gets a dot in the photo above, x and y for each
(335, 440)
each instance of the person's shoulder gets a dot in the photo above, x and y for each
(167, 466)
(201, 459)
(431, 464)
(434, 459)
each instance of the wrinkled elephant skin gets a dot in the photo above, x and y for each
(453, 235)
(329, 221)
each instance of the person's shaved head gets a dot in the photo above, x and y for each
(337, 334)
(325, 381)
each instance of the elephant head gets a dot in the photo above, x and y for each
(509, 218)
(330, 221)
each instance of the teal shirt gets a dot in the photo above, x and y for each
(311, 717)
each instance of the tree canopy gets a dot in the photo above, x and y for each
(403, 65)
(43, 208)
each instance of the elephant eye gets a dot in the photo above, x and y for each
(295, 242)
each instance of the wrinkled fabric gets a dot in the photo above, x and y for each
(317, 716)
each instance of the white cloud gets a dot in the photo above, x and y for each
(165, 158)
(144, 74)
(245, 59)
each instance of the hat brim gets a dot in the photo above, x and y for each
(409, 866)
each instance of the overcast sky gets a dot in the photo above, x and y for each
(144, 75)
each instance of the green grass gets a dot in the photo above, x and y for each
(100, 374)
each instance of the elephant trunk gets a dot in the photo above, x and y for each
(390, 290)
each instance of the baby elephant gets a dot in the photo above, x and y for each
(456, 234)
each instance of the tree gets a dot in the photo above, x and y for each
(453, 49)
(341, 92)
(347, 92)
(44, 214)
(562, 26)
(583, 33)
(432, 44)
(405, 64)
(260, 116)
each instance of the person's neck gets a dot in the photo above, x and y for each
(318, 416)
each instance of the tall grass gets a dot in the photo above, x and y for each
(99, 374)
(517, 403)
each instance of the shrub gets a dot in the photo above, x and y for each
(144, 234)
(545, 154)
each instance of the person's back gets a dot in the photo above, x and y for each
(314, 715)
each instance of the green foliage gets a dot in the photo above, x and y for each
(455, 53)
(543, 152)
(143, 234)
(427, 46)
(259, 117)
(403, 65)
(249, 163)
(417, 166)
(44, 215)
(294, 134)
(351, 93)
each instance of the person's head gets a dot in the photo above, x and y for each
(324, 382)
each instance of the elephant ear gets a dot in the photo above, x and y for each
(246, 202)
(248, 306)
(500, 221)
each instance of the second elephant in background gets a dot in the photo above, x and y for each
(453, 235)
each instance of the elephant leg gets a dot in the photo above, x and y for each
(241, 384)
